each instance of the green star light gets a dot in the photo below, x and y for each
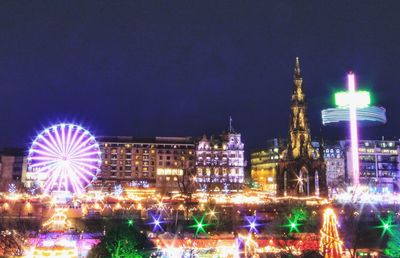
(130, 222)
(293, 224)
(199, 225)
(386, 225)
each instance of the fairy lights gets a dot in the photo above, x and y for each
(330, 243)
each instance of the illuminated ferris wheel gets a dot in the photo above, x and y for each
(64, 157)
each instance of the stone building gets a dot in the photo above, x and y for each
(145, 162)
(13, 165)
(300, 173)
(220, 163)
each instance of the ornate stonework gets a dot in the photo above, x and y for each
(301, 172)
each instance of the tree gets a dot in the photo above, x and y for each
(187, 187)
(122, 240)
(330, 244)
(393, 244)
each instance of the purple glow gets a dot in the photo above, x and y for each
(64, 157)
(252, 220)
(157, 223)
(353, 130)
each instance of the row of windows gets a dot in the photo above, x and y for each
(128, 174)
(144, 157)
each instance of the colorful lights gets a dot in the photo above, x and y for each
(58, 222)
(252, 220)
(330, 243)
(366, 116)
(386, 225)
(353, 130)
(12, 188)
(293, 224)
(64, 157)
(199, 225)
(359, 98)
(130, 222)
(157, 221)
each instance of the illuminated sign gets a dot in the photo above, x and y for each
(359, 98)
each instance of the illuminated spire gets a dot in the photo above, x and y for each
(300, 139)
(297, 71)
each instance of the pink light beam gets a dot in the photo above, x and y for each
(353, 130)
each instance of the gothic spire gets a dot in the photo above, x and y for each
(230, 125)
(297, 71)
(297, 81)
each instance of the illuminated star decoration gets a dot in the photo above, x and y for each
(130, 222)
(293, 224)
(252, 220)
(386, 225)
(157, 221)
(212, 214)
(199, 225)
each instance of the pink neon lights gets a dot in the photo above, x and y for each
(353, 130)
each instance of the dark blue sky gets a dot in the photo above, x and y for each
(148, 68)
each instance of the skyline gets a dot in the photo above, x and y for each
(104, 66)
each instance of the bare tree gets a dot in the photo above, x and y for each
(187, 186)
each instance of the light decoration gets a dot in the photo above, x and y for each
(353, 129)
(386, 225)
(118, 190)
(199, 225)
(330, 243)
(212, 214)
(64, 157)
(252, 224)
(157, 221)
(58, 222)
(12, 188)
(293, 224)
(55, 251)
(359, 98)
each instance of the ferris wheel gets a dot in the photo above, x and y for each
(64, 157)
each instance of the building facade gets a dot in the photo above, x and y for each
(13, 165)
(220, 163)
(335, 161)
(264, 164)
(145, 162)
(379, 164)
(300, 173)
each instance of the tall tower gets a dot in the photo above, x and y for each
(300, 169)
(299, 132)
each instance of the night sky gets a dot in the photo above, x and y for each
(180, 68)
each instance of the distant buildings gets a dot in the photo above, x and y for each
(220, 163)
(171, 163)
(145, 162)
(379, 164)
(335, 161)
(264, 163)
(13, 165)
